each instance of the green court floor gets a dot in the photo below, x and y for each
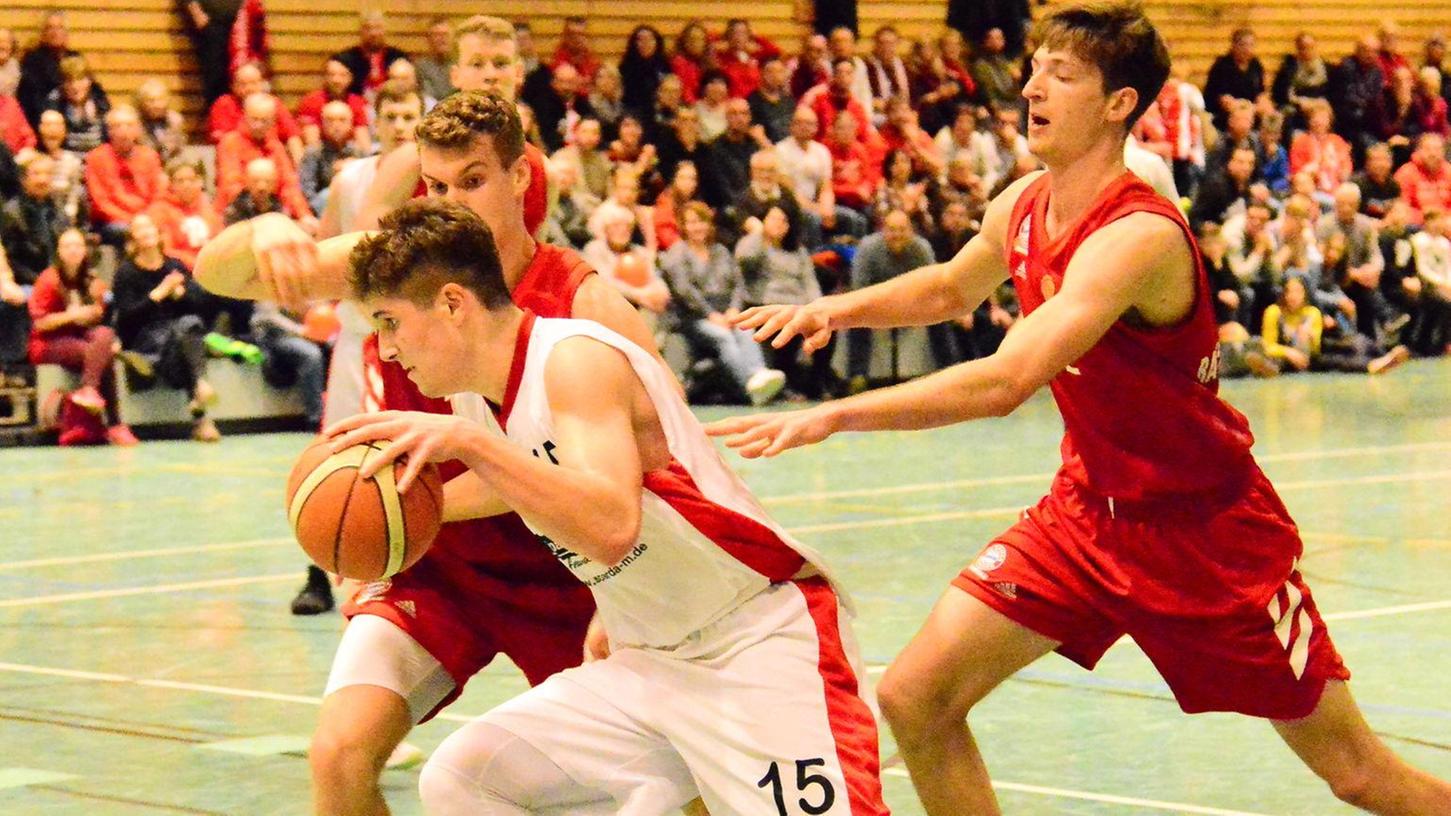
(148, 663)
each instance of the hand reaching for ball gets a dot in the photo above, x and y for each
(421, 437)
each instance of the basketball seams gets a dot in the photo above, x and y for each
(337, 531)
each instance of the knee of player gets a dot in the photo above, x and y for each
(909, 708)
(341, 754)
(443, 790)
(1356, 784)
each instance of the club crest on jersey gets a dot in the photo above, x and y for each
(1050, 288)
(994, 556)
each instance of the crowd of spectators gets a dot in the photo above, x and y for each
(713, 171)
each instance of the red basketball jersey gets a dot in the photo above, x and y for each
(1141, 409)
(501, 547)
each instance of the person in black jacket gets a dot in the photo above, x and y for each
(31, 223)
(1237, 74)
(641, 68)
(157, 309)
(1302, 76)
(370, 58)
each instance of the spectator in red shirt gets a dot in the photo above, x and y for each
(67, 313)
(123, 176)
(15, 132)
(692, 58)
(255, 141)
(226, 113)
(813, 66)
(853, 173)
(740, 55)
(574, 49)
(1320, 152)
(185, 215)
(835, 97)
(1391, 59)
(902, 132)
(336, 78)
(1425, 180)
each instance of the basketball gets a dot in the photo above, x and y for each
(361, 528)
(631, 270)
(320, 324)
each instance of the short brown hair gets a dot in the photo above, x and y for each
(1117, 37)
(423, 245)
(462, 117)
(484, 27)
(395, 91)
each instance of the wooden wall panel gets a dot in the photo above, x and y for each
(129, 41)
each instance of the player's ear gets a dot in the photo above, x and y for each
(520, 175)
(450, 298)
(1121, 104)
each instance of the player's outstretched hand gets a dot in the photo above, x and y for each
(769, 434)
(419, 436)
(808, 322)
(286, 258)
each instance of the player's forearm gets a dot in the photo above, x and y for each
(921, 297)
(970, 390)
(467, 497)
(575, 508)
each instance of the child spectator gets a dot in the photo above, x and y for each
(185, 216)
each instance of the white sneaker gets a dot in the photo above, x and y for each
(764, 385)
(405, 756)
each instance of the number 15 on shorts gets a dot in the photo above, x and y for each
(809, 786)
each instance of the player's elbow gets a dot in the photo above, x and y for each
(615, 543)
(1005, 397)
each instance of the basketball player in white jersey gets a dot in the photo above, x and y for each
(348, 390)
(733, 673)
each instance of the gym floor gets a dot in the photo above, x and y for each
(149, 665)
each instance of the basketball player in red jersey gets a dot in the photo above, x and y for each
(486, 58)
(486, 586)
(1159, 524)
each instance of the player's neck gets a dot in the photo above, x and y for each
(1078, 183)
(495, 354)
(516, 252)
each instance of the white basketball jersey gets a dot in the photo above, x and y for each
(705, 546)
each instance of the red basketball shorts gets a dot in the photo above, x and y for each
(1208, 588)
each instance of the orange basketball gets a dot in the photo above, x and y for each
(631, 270)
(320, 324)
(361, 528)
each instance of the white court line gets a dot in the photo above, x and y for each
(229, 691)
(1064, 793)
(129, 554)
(44, 600)
(928, 487)
(842, 494)
(174, 685)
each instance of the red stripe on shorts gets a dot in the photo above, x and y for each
(853, 727)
